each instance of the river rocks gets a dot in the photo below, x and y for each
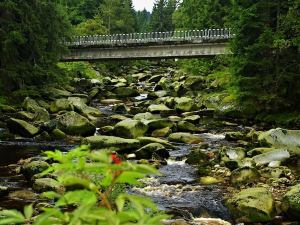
(30, 105)
(160, 108)
(124, 92)
(111, 141)
(184, 104)
(34, 167)
(291, 200)
(146, 116)
(192, 118)
(148, 140)
(24, 195)
(147, 151)
(252, 205)
(208, 180)
(62, 104)
(130, 128)
(58, 134)
(120, 108)
(282, 138)
(55, 93)
(3, 190)
(185, 138)
(158, 123)
(234, 136)
(194, 83)
(155, 78)
(244, 175)
(7, 109)
(187, 126)
(110, 101)
(74, 124)
(163, 132)
(22, 128)
(275, 155)
(47, 184)
(41, 115)
(197, 156)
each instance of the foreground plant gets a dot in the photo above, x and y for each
(91, 193)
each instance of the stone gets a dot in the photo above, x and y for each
(47, 184)
(187, 127)
(110, 101)
(57, 93)
(208, 180)
(185, 138)
(7, 109)
(184, 104)
(41, 115)
(158, 123)
(125, 92)
(234, 153)
(197, 156)
(175, 118)
(120, 108)
(147, 151)
(43, 136)
(118, 118)
(58, 134)
(62, 104)
(106, 130)
(33, 167)
(163, 132)
(22, 128)
(192, 119)
(194, 83)
(244, 175)
(3, 190)
(159, 108)
(258, 151)
(74, 124)
(148, 140)
(252, 205)
(282, 139)
(130, 128)
(155, 78)
(98, 142)
(290, 202)
(25, 195)
(234, 136)
(146, 116)
(275, 155)
(30, 105)
(24, 115)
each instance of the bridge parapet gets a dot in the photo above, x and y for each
(151, 37)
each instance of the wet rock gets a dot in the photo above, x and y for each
(120, 108)
(34, 167)
(187, 126)
(194, 83)
(276, 172)
(118, 118)
(130, 128)
(192, 119)
(44, 136)
(209, 221)
(163, 132)
(24, 195)
(282, 138)
(158, 94)
(233, 153)
(3, 190)
(158, 123)
(49, 125)
(58, 134)
(275, 155)
(147, 151)
(74, 124)
(208, 180)
(175, 118)
(146, 116)
(41, 115)
(252, 205)
(291, 200)
(148, 140)
(107, 130)
(110, 101)
(30, 105)
(197, 156)
(161, 108)
(244, 175)
(124, 92)
(23, 115)
(62, 104)
(258, 151)
(47, 184)
(22, 128)
(55, 93)
(155, 78)
(234, 136)
(7, 109)
(184, 104)
(185, 138)
(98, 142)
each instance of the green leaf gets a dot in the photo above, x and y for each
(11, 217)
(120, 202)
(130, 177)
(28, 211)
(80, 197)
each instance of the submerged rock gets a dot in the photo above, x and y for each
(185, 138)
(252, 205)
(130, 128)
(22, 128)
(74, 124)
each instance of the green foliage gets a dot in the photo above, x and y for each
(80, 69)
(91, 27)
(90, 178)
(143, 21)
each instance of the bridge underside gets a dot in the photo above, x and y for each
(182, 50)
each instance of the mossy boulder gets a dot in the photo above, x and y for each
(282, 139)
(187, 138)
(22, 128)
(158, 123)
(159, 108)
(194, 83)
(47, 184)
(98, 142)
(120, 108)
(24, 115)
(187, 127)
(62, 104)
(163, 132)
(244, 175)
(148, 140)
(291, 202)
(110, 101)
(7, 109)
(192, 119)
(252, 205)
(30, 105)
(130, 128)
(33, 167)
(41, 115)
(197, 157)
(275, 155)
(54, 93)
(234, 136)
(184, 104)
(147, 151)
(74, 124)
(146, 116)
(58, 134)
(124, 92)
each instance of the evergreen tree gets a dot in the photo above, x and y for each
(143, 20)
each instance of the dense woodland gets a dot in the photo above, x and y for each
(264, 69)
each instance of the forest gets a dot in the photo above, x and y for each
(154, 141)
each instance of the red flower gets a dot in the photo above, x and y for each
(115, 159)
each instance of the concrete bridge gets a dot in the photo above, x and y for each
(175, 44)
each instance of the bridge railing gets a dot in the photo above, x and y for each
(150, 37)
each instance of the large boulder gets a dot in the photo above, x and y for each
(47, 184)
(22, 128)
(74, 124)
(158, 123)
(185, 138)
(124, 92)
(145, 116)
(41, 115)
(30, 105)
(159, 108)
(291, 200)
(148, 140)
(282, 138)
(147, 151)
(244, 175)
(130, 128)
(194, 83)
(33, 167)
(54, 93)
(187, 127)
(111, 141)
(272, 156)
(184, 104)
(252, 205)
(62, 104)
(163, 132)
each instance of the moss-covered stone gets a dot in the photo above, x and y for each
(244, 175)
(185, 138)
(58, 134)
(291, 202)
(47, 184)
(184, 104)
(130, 128)
(163, 132)
(252, 205)
(33, 167)
(22, 128)
(187, 127)
(147, 151)
(148, 140)
(62, 104)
